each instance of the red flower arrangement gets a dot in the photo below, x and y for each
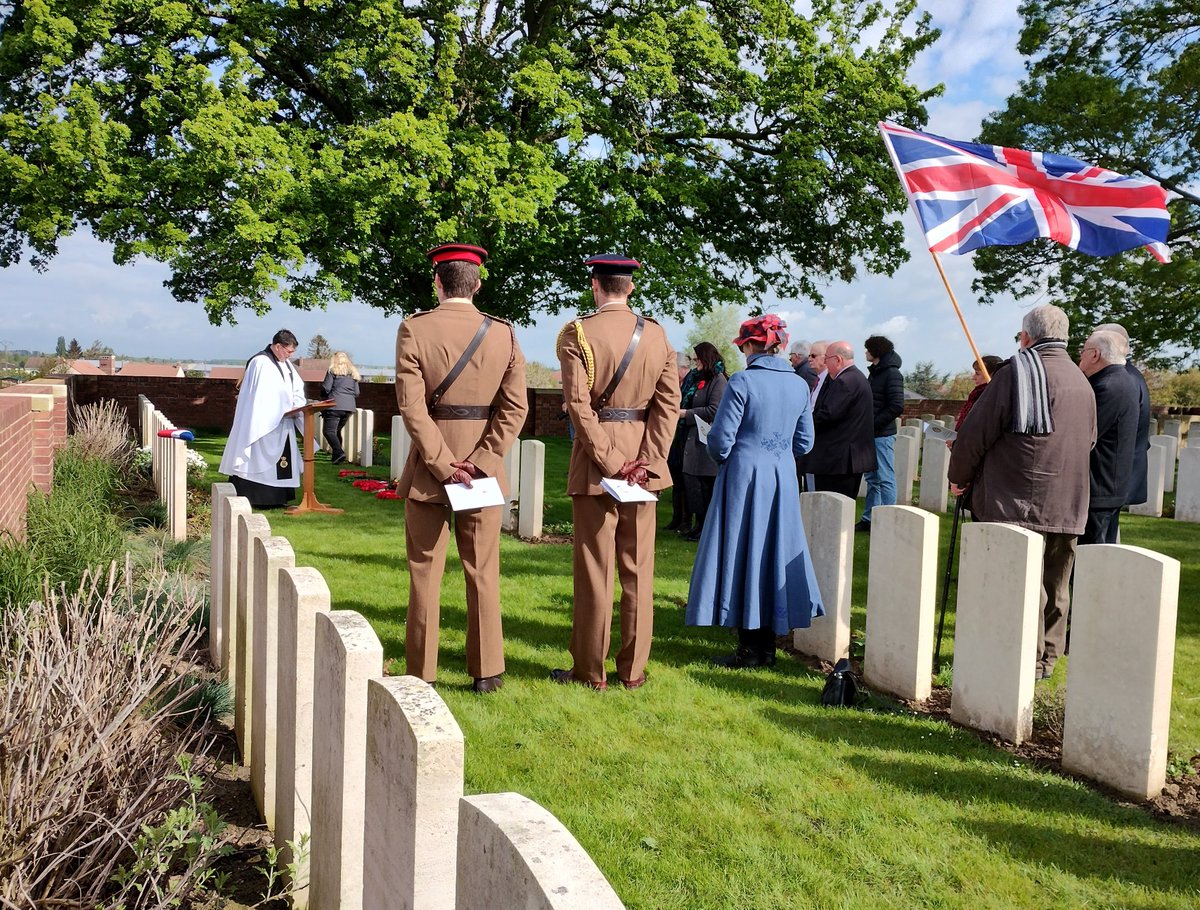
(387, 494)
(342, 475)
(370, 486)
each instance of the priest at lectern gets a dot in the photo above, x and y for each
(261, 457)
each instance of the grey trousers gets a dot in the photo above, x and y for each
(1057, 563)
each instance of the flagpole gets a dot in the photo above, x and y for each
(953, 300)
(961, 320)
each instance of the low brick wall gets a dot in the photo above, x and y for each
(33, 425)
(202, 402)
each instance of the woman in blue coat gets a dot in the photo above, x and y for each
(753, 571)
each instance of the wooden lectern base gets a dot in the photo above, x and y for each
(309, 502)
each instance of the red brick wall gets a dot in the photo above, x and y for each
(28, 440)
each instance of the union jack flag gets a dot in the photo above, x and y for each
(968, 195)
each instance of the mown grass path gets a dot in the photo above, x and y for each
(718, 789)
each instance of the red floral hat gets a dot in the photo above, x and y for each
(768, 329)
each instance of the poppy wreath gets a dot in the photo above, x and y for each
(351, 475)
(370, 486)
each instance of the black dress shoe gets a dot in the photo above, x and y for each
(694, 535)
(745, 659)
(863, 527)
(486, 684)
(674, 525)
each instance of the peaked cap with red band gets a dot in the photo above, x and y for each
(612, 264)
(768, 329)
(457, 252)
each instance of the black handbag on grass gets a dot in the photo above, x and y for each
(841, 687)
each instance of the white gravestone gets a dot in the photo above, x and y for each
(533, 862)
(935, 469)
(1171, 444)
(302, 595)
(1187, 492)
(218, 587)
(414, 783)
(251, 528)
(401, 444)
(232, 510)
(1118, 708)
(271, 554)
(366, 437)
(348, 653)
(901, 583)
(1156, 470)
(533, 480)
(995, 629)
(512, 470)
(905, 460)
(828, 520)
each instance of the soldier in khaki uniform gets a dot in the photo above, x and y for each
(625, 436)
(461, 436)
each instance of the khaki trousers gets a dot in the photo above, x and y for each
(610, 535)
(427, 533)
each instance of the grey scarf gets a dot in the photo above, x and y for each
(1031, 398)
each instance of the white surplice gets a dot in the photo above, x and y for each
(260, 429)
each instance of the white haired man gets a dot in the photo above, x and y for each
(1022, 457)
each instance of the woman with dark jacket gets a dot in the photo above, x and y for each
(699, 469)
(340, 384)
(887, 390)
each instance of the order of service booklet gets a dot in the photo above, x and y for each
(483, 492)
(622, 491)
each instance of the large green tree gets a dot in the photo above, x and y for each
(315, 148)
(1116, 84)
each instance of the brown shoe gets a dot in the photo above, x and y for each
(566, 677)
(487, 684)
(634, 683)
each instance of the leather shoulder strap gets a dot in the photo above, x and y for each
(462, 362)
(602, 401)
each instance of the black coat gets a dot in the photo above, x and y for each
(843, 422)
(1141, 446)
(808, 374)
(1116, 431)
(887, 390)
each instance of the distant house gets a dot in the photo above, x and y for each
(151, 370)
(77, 368)
(35, 363)
(226, 372)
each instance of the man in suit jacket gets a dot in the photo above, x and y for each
(844, 421)
(626, 436)
(462, 436)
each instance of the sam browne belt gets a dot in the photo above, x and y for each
(621, 415)
(461, 411)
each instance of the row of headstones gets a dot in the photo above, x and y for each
(1119, 675)
(358, 436)
(168, 465)
(930, 460)
(368, 768)
(525, 470)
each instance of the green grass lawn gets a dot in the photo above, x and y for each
(723, 789)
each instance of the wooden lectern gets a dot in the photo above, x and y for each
(309, 503)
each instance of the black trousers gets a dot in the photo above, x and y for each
(334, 421)
(679, 506)
(699, 495)
(846, 484)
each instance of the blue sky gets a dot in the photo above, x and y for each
(83, 295)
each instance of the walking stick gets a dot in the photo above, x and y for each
(958, 510)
